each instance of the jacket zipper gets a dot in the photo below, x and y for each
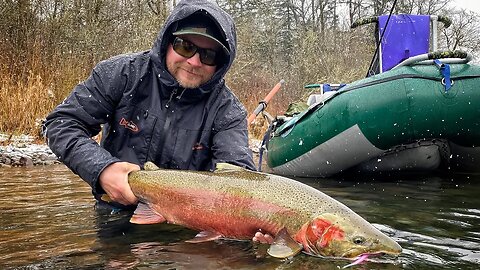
(168, 121)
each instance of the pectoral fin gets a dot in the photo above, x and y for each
(145, 215)
(205, 236)
(284, 246)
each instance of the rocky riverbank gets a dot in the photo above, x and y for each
(26, 155)
(21, 151)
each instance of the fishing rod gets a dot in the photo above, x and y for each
(262, 105)
(380, 39)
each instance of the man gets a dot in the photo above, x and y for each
(169, 105)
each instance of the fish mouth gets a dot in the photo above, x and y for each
(392, 249)
(365, 257)
(354, 254)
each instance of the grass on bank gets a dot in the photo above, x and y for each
(23, 103)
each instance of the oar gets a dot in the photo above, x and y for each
(263, 104)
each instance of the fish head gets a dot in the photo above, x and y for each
(331, 235)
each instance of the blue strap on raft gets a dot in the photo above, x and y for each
(263, 146)
(445, 71)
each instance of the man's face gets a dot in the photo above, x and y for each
(191, 72)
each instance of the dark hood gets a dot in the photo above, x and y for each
(182, 10)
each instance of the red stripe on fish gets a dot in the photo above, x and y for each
(229, 214)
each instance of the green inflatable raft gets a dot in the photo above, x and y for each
(403, 119)
(421, 115)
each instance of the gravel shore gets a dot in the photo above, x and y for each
(26, 155)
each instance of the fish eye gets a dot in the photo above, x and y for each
(359, 240)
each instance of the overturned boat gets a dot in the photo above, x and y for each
(419, 112)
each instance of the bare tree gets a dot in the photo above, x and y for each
(463, 33)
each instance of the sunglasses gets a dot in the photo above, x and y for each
(187, 49)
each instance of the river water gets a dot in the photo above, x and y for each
(48, 221)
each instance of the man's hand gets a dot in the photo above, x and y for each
(114, 180)
(263, 238)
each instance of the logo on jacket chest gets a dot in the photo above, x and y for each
(129, 125)
(197, 147)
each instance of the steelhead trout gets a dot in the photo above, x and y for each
(235, 203)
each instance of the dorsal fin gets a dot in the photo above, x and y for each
(150, 166)
(227, 167)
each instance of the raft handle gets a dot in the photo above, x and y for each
(452, 57)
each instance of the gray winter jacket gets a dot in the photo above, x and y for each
(147, 116)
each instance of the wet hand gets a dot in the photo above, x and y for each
(114, 180)
(262, 238)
